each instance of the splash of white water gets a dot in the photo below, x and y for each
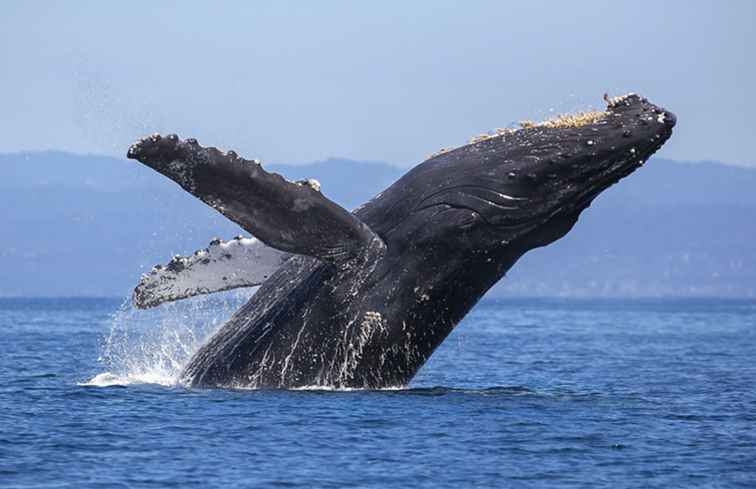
(152, 346)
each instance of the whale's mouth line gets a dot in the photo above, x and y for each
(594, 186)
(493, 190)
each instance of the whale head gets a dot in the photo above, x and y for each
(504, 194)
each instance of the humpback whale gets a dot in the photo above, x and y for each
(361, 299)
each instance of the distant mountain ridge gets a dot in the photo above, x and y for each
(76, 225)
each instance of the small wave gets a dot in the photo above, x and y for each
(108, 379)
(327, 388)
(168, 379)
(405, 390)
(515, 390)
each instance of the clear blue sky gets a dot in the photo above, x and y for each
(393, 81)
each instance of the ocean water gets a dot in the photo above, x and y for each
(525, 393)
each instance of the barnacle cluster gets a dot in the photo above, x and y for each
(578, 119)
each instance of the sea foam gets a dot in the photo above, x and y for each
(153, 346)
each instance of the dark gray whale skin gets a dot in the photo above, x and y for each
(371, 294)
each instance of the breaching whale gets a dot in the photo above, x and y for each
(361, 299)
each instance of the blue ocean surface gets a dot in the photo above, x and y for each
(524, 393)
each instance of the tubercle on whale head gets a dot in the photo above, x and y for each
(567, 166)
(524, 181)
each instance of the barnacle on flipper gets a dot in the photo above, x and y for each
(309, 182)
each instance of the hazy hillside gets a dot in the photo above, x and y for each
(89, 225)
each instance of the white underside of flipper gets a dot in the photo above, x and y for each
(241, 262)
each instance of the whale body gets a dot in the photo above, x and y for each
(362, 299)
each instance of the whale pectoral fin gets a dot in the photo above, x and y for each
(289, 216)
(241, 262)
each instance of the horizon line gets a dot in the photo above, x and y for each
(339, 158)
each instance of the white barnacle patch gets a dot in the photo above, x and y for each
(579, 119)
(504, 131)
(661, 118)
(613, 102)
(310, 182)
(422, 295)
(575, 120)
(480, 137)
(372, 317)
(437, 153)
(372, 322)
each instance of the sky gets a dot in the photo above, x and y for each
(391, 81)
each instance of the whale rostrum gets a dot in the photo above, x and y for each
(362, 299)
